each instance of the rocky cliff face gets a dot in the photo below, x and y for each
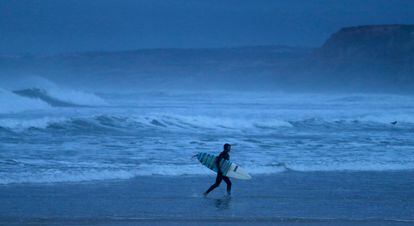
(372, 57)
(373, 42)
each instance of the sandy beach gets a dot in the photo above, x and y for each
(289, 198)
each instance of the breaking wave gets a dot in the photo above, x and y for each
(33, 99)
(194, 123)
(62, 97)
(108, 122)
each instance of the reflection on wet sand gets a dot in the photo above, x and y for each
(223, 203)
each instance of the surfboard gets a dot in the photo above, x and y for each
(228, 168)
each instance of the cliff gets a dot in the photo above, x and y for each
(367, 56)
(372, 42)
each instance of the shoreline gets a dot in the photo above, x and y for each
(209, 175)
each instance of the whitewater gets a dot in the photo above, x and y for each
(106, 136)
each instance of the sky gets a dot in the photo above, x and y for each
(59, 26)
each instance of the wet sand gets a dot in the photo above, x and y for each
(289, 198)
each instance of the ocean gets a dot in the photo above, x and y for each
(63, 135)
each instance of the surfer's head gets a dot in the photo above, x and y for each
(227, 147)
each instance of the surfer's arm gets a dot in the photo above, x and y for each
(218, 160)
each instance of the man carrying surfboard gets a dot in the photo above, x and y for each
(223, 155)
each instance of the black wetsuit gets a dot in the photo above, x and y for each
(220, 177)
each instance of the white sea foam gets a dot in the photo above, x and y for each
(209, 122)
(197, 123)
(22, 124)
(56, 175)
(356, 166)
(94, 174)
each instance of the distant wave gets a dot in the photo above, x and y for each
(43, 95)
(18, 125)
(111, 122)
(61, 98)
(99, 123)
(40, 99)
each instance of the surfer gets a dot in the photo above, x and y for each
(223, 155)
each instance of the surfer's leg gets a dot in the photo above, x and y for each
(228, 182)
(219, 178)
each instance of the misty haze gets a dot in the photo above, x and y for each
(107, 109)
